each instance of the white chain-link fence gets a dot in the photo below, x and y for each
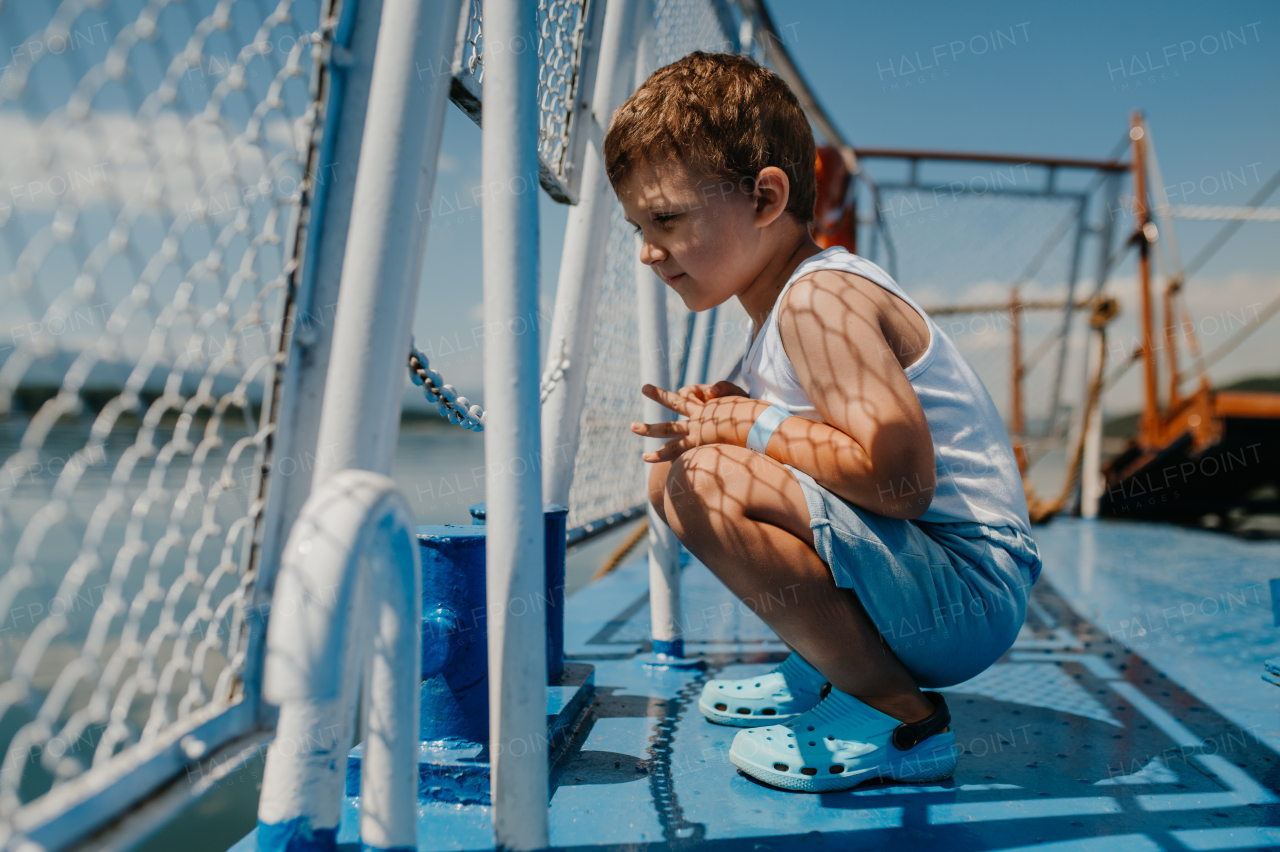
(157, 160)
(609, 476)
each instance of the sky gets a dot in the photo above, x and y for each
(1035, 78)
(1063, 81)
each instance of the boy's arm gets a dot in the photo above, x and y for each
(875, 449)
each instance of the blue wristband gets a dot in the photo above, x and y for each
(764, 427)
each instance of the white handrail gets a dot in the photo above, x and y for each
(348, 601)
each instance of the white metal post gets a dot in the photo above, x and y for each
(664, 549)
(301, 385)
(704, 324)
(360, 417)
(655, 369)
(582, 259)
(514, 542)
(1091, 462)
(1091, 458)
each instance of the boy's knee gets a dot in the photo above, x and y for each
(696, 472)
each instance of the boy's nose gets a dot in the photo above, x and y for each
(651, 254)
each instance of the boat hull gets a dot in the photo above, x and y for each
(1237, 474)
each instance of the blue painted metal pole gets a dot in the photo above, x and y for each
(554, 518)
(512, 435)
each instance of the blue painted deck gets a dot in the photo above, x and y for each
(1145, 727)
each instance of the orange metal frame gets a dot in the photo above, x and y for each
(1202, 413)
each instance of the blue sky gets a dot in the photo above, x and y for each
(1063, 81)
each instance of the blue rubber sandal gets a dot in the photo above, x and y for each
(843, 742)
(767, 699)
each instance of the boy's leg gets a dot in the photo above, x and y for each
(744, 516)
(658, 474)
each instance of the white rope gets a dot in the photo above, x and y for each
(1211, 213)
(452, 407)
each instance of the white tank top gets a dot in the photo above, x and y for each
(977, 474)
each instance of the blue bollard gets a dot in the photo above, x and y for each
(453, 757)
(454, 699)
(455, 629)
(556, 517)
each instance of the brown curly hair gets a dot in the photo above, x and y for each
(721, 115)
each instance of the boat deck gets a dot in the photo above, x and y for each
(1130, 715)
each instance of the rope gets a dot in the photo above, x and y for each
(1104, 311)
(456, 409)
(1209, 213)
(1263, 193)
(615, 559)
(1239, 337)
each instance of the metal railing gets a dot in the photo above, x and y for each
(349, 590)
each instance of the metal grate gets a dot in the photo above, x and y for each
(562, 28)
(561, 24)
(158, 159)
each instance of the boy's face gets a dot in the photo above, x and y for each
(700, 236)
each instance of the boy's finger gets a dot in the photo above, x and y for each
(666, 429)
(720, 389)
(669, 451)
(672, 449)
(666, 398)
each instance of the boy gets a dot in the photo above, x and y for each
(858, 463)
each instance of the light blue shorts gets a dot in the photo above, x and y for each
(948, 598)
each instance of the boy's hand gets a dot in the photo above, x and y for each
(718, 414)
(706, 393)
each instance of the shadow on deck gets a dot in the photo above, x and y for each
(1074, 741)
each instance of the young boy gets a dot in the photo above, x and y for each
(858, 463)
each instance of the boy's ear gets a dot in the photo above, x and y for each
(771, 194)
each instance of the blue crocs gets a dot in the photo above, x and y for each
(842, 742)
(767, 699)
